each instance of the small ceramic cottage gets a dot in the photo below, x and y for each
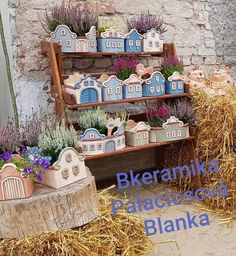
(133, 41)
(111, 41)
(86, 90)
(153, 41)
(136, 134)
(112, 89)
(155, 85)
(172, 130)
(69, 168)
(70, 42)
(132, 87)
(175, 83)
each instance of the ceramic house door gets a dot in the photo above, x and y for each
(12, 188)
(81, 46)
(89, 95)
(110, 146)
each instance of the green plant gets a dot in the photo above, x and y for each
(124, 67)
(170, 65)
(55, 137)
(102, 28)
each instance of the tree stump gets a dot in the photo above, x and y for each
(50, 209)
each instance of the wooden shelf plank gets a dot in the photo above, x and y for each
(103, 103)
(128, 149)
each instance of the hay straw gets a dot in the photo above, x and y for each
(105, 236)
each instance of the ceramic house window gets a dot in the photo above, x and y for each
(93, 44)
(63, 32)
(130, 88)
(179, 133)
(118, 90)
(110, 34)
(113, 44)
(91, 135)
(150, 43)
(152, 89)
(158, 79)
(131, 42)
(145, 135)
(119, 45)
(138, 88)
(115, 34)
(75, 170)
(65, 174)
(173, 85)
(180, 85)
(109, 91)
(158, 89)
(123, 140)
(85, 148)
(138, 136)
(118, 143)
(168, 135)
(92, 147)
(153, 34)
(138, 43)
(59, 42)
(68, 43)
(68, 158)
(86, 83)
(91, 83)
(157, 44)
(162, 88)
(99, 146)
(173, 134)
(108, 44)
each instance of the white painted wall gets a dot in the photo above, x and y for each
(6, 109)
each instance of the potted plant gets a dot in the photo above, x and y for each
(152, 29)
(172, 69)
(101, 133)
(73, 26)
(165, 127)
(60, 142)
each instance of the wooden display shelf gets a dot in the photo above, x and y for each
(128, 149)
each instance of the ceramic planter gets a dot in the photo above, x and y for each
(172, 130)
(111, 41)
(69, 168)
(132, 87)
(14, 184)
(136, 134)
(93, 142)
(155, 85)
(85, 88)
(112, 89)
(153, 41)
(70, 42)
(175, 84)
(133, 41)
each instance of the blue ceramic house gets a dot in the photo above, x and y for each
(133, 41)
(112, 89)
(155, 85)
(111, 41)
(132, 87)
(175, 84)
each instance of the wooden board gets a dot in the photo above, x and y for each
(50, 209)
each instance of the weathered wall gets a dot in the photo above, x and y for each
(202, 30)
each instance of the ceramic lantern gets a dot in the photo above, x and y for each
(69, 168)
(172, 130)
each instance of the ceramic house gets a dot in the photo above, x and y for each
(70, 42)
(111, 41)
(136, 134)
(172, 130)
(153, 41)
(132, 87)
(112, 89)
(155, 85)
(133, 41)
(93, 143)
(69, 168)
(14, 184)
(175, 83)
(86, 90)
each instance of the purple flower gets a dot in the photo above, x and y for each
(23, 149)
(7, 156)
(28, 169)
(39, 177)
(45, 164)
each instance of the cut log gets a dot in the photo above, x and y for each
(50, 209)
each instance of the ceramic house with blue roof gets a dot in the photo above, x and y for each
(111, 40)
(175, 84)
(112, 89)
(85, 88)
(132, 87)
(155, 85)
(133, 41)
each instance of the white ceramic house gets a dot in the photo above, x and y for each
(69, 168)
(132, 87)
(153, 41)
(136, 134)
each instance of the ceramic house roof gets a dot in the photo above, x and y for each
(73, 79)
(176, 76)
(172, 120)
(112, 33)
(91, 33)
(88, 77)
(97, 135)
(134, 127)
(133, 79)
(120, 130)
(134, 31)
(149, 32)
(113, 79)
(7, 165)
(80, 157)
(63, 27)
(153, 77)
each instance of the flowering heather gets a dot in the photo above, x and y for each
(171, 64)
(124, 67)
(78, 17)
(157, 117)
(145, 21)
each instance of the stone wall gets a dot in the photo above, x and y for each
(203, 31)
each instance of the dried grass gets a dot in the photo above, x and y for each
(105, 236)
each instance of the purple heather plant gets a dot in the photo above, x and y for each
(124, 67)
(157, 117)
(171, 64)
(145, 21)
